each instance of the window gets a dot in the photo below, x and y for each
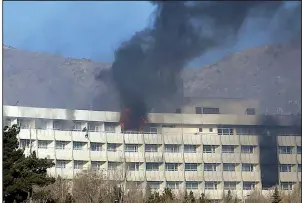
(133, 166)
(110, 127)
(190, 185)
(171, 166)
(152, 166)
(94, 127)
(25, 143)
(287, 185)
(153, 185)
(247, 149)
(77, 126)
(209, 148)
(210, 166)
(250, 111)
(198, 110)
(190, 148)
(131, 148)
(78, 145)
(200, 130)
(113, 165)
(96, 146)
(8, 122)
(210, 130)
(246, 131)
(248, 185)
(229, 167)
(61, 144)
(210, 185)
(178, 111)
(23, 123)
(230, 185)
(225, 131)
(285, 149)
(172, 185)
(61, 163)
(151, 148)
(112, 147)
(228, 149)
(171, 148)
(41, 124)
(206, 110)
(96, 165)
(190, 166)
(43, 144)
(299, 149)
(78, 164)
(57, 125)
(247, 167)
(286, 168)
(299, 167)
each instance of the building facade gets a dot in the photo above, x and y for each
(205, 149)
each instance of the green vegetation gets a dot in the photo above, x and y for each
(21, 173)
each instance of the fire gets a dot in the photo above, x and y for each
(128, 123)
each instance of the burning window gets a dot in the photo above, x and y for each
(133, 120)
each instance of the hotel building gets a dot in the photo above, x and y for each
(208, 146)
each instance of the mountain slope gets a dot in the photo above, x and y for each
(271, 74)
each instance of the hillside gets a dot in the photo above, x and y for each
(269, 73)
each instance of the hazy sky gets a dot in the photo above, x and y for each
(95, 29)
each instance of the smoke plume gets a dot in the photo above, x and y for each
(147, 67)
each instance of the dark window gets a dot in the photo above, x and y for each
(200, 130)
(178, 111)
(250, 111)
(211, 130)
(198, 110)
(210, 110)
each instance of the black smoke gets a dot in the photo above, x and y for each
(268, 131)
(147, 67)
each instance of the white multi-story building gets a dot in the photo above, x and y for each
(217, 146)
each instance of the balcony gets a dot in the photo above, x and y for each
(153, 157)
(174, 175)
(211, 139)
(46, 153)
(45, 134)
(211, 157)
(154, 175)
(98, 155)
(133, 138)
(135, 175)
(229, 139)
(230, 157)
(97, 137)
(62, 135)
(193, 157)
(173, 157)
(251, 176)
(288, 176)
(114, 137)
(134, 157)
(248, 140)
(231, 175)
(64, 154)
(81, 154)
(193, 175)
(153, 138)
(287, 158)
(212, 175)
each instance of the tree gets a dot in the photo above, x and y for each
(21, 173)
(191, 197)
(276, 196)
(203, 199)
